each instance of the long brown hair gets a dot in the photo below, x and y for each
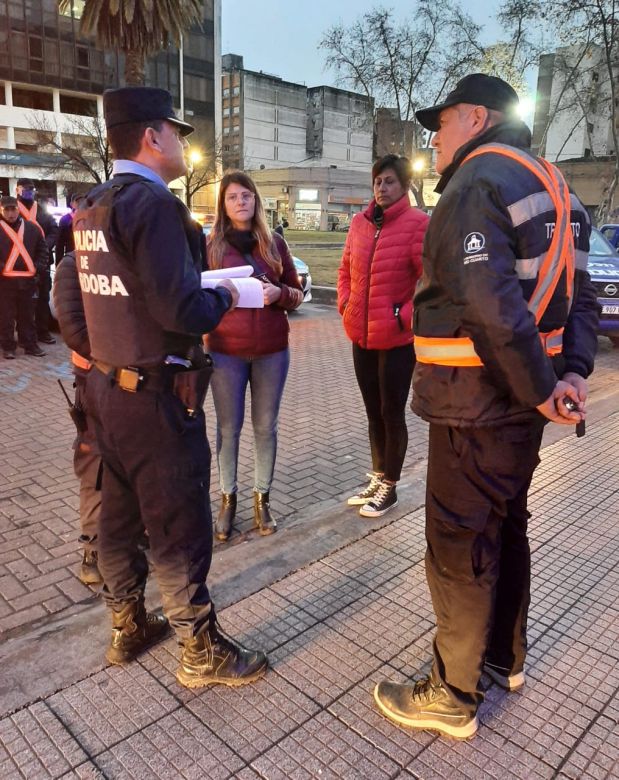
(259, 228)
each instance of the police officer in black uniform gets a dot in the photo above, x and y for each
(138, 258)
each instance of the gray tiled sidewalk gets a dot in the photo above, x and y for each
(333, 628)
(336, 627)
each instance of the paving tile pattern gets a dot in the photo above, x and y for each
(333, 630)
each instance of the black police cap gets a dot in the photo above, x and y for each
(477, 89)
(140, 104)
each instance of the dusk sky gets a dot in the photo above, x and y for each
(282, 37)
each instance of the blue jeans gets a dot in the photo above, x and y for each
(266, 375)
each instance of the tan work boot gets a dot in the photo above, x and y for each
(133, 631)
(263, 519)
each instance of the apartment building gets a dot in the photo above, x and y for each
(272, 123)
(52, 80)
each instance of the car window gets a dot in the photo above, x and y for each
(599, 246)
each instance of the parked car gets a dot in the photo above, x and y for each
(305, 278)
(611, 234)
(603, 268)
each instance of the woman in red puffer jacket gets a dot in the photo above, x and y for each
(378, 274)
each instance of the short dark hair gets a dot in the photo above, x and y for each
(25, 183)
(401, 167)
(9, 201)
(125, 140)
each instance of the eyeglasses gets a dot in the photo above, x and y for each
(243, 197)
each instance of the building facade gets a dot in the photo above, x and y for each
(271, 123)
(573, 105)
(52, 80)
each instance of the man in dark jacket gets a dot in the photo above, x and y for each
(34, 212)
(505, 334)
(86, 458)
(23, 256)
(139, 256)
(64, 242)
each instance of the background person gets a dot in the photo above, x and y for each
(139, 257)
(380, 268)
(86, 457)
(494, 332)
(36, 213)
(64, 241)
(23, 256)
(250, 346)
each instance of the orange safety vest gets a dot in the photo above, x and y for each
(30, 214)
(18, 250)
(460, 351)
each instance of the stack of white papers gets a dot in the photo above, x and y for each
(251, 295)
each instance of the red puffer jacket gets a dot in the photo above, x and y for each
(380, 268)
(250, 332)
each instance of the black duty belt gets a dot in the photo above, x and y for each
(134, 378)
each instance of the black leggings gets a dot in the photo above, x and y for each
(384, 377)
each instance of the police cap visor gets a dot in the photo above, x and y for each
(129, 105)
(478, 89)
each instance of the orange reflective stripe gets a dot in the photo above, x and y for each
(447, 351)
(561, 253)
(80, 362)
(18, 250)
(30, 214)
(461, 351)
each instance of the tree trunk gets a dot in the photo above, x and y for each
(134, 68)
(603, 211)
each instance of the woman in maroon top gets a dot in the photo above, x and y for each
(249, 345)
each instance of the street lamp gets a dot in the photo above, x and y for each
(193, 157)
(419, 165)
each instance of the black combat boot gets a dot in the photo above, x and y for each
(227, 511)
(263, 519)
(134, 630)
(212, 658)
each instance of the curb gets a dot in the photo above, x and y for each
(324, 295)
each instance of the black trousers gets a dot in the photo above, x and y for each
(384, 378)
(156, 472)
(87, 467)
(17, 307)
(42, 313)
(478, 558)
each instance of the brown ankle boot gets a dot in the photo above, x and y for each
(213, 658)
(134, 630)
(263, 519)
(227, 511)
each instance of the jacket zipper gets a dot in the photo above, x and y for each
(397, 308)
(367, 295)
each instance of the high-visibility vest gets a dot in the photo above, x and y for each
(560, 257)
(18, 250)
(30, 214)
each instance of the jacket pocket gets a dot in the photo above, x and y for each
(403, 315)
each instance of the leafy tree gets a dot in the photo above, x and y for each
(138, 28)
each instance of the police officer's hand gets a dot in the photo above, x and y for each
(271, 293)
(554, 407)
(229, 285)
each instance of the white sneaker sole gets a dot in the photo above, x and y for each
(457, 732)
(376, 512)
(512, 682)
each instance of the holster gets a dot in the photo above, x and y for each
(191, 386)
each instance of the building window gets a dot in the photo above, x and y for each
(235, 109)
(235, 128)
(226, 131)
(236, 91)
(226, 92)
(226, 112)
(30, 98)
(70, 104)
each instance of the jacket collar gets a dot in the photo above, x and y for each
(511, 133)
(393, 212)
